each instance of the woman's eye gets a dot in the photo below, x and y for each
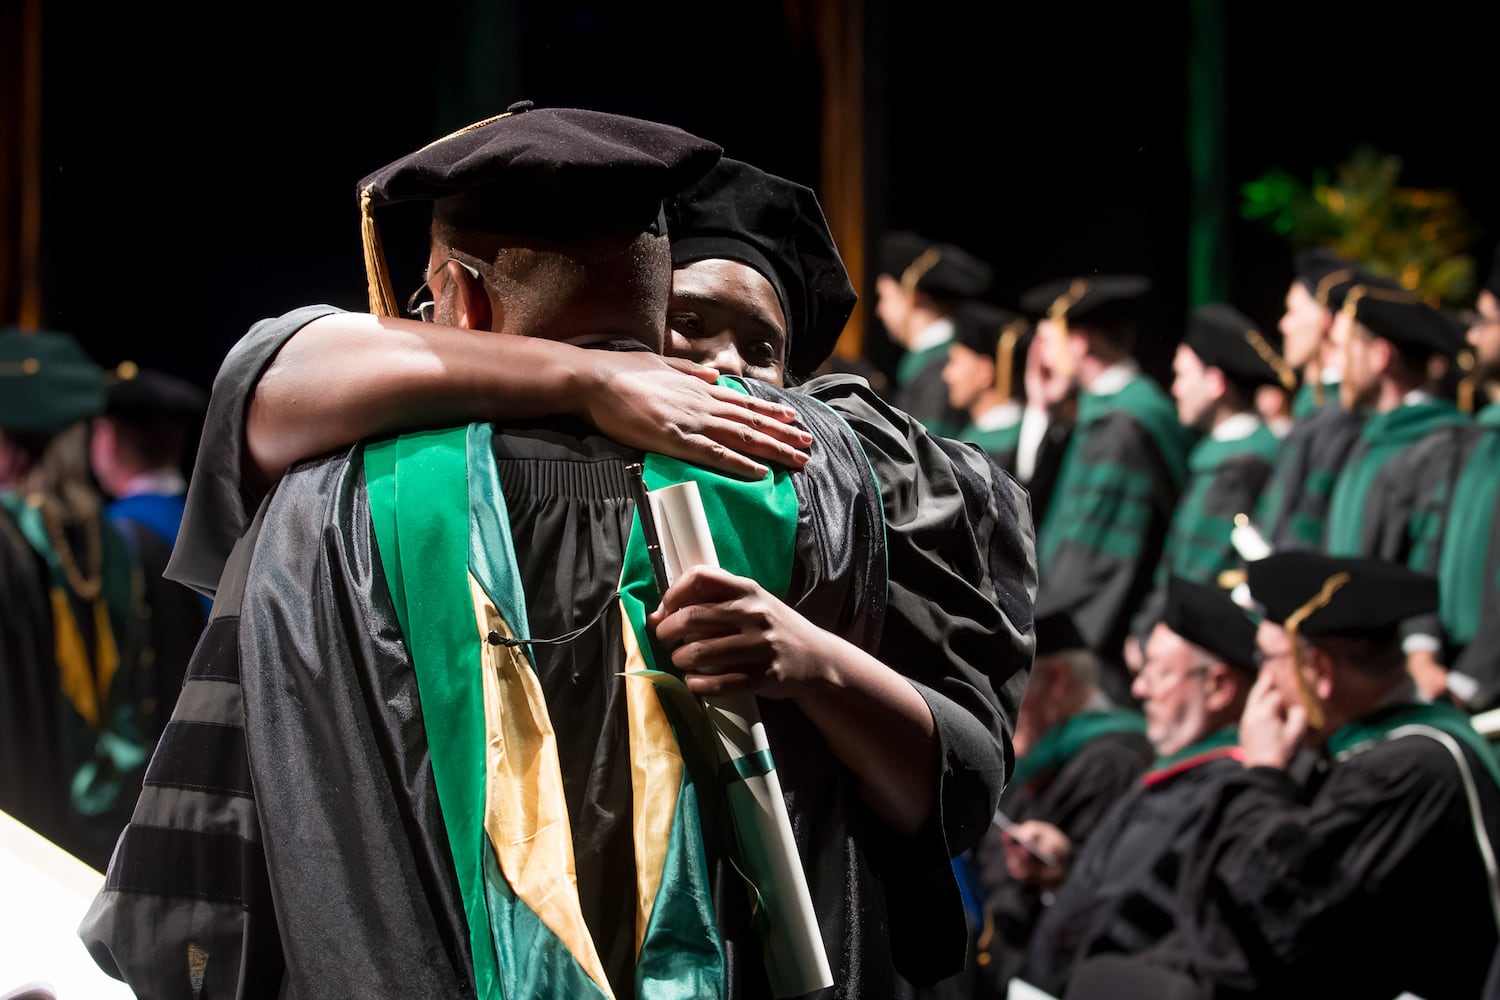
(687, 324)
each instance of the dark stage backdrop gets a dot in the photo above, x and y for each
(200, 166)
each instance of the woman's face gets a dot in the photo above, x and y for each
(725, 314)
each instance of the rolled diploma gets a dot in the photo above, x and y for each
(796, 961)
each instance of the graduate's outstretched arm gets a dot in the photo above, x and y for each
(348, 376)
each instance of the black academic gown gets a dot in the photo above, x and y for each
(1075, 798)
(1107, 520)
(1293, 509)
(1369, 885)
(921, 391)
(1120, 895)
(229, 847)
(174, 617)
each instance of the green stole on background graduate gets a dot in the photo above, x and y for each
(1380, 724)
(1465, 572)
(913, 362)
(1105, 506)
(1383, 436)
(1198, 546)
(996, 442)
(1305, 402)
(1221, 743)
(1062, 742)
(437, 508)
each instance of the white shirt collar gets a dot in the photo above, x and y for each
(167, 481)
(1114, 378)
(1234, 428)
(1415, 397)
(934, 333)
(999, 417)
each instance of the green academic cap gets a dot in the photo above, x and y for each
(1227, 339)
(942, 270)
(537, 171)
(47, 381)
(994, 332)
(1210, 620)
(739, 212)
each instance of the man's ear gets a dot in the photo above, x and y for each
(1321, 665)
(1221, 687)
(471, 300)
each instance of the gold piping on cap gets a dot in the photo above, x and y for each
(377, 272)
(1284, 373)
(1331, 586)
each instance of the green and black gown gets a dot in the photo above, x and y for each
(71, 744)
(922, 393)
(1225, 479)
(1293, 508)
(1106, 523)
(1070, 779)
(294, 829)
(1374, 508)
(1120, 895)
(1467, 564)
(999, 437)
(1371, 884)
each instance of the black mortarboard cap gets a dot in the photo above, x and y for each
(1337, 286)
(1403, 319)
(1227, 339)
(1209, 618)
(739, 212)
(997, 333)
(1318, 267)
(940, 269)
(1106, 299)
(1326, 595)
(1056, 632)
(136, 393)
(47, 381)
(538, 171)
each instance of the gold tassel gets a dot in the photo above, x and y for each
(1005, 352)
(1351, 308)
(1331, 586)
(1325, 286)
(1468, 383)
(377, 274)
(1058, 314)
(918, 268)
(1268, 354)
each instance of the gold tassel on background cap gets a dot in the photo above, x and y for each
(1058, 314)
(918, 268)
(1284, 373)
(1005, 353)
(1320, 295)
(1351, 309)
(1469, 382)
(377, 273)
(1331, 586)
